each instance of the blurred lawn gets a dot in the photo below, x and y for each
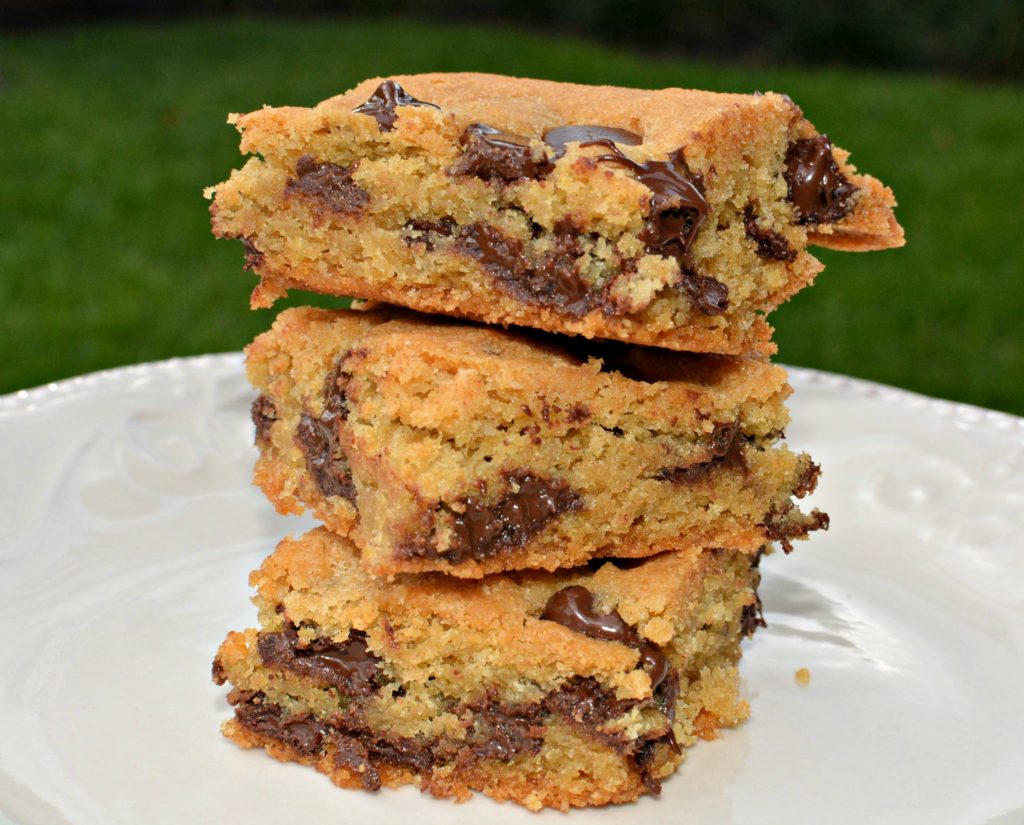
(108, 135)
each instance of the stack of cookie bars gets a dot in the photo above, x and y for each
(541, 533)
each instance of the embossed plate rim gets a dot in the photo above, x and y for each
(861, 643)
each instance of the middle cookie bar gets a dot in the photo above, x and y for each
(440, 446)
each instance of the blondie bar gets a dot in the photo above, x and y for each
(672, 218)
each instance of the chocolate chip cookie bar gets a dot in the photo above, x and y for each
(576, 688)
(443, 446)
(670, 218)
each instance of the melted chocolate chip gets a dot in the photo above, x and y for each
(678, 207)
(573, 607)
(589, 135)
(770, 245)
(493, 155)
(677, 212)
(481, 531)
(705, 293)
(419, 230)
(352, 753)
(330, 184)
(818, 190)
(584, 701)
(725, 450)
(502, 731)
(382, 103)
(325, 460)
(304, 733)
(320, 442)
(348, 666)
(553, 281)
(264, 414)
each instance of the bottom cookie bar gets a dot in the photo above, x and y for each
(579, 687)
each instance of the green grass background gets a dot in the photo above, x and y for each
(109, 133)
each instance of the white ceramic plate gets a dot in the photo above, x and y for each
(128, 527)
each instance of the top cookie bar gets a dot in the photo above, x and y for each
(672, 218)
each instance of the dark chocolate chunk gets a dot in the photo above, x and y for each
(325, 459)
(808, 480)
(319, 438)
(779, 526)
(589, 135)
(770, 245)
(350, 752)
(677, 208)
(725, 450)
(584, 701)
(483, 530)
(305, 733)
(706, 294)
(218, 673)
(264, 414)
(554, 281)
(330, 184)
(752, 617)
(419, 230)
(348, 666)
(253, 257)
(573, 607)
(502, 731)
(382, 103)
(818, 190)
(577, 414)
(677, 212)
(493, 155)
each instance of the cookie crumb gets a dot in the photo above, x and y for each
(803, 676)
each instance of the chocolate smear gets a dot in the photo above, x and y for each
(302, 732)
(752, 617)
(552, 281)
(493, 155)
(780, 524)
(426, 232)
(481, 530)
(330, 184)
(770, 245)
(819, 192)
(677, 212)
(706, 294)
(264, 414)
(589, 135)
(348, 666)
(319, 439)
(382, 103)
(573, 607)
